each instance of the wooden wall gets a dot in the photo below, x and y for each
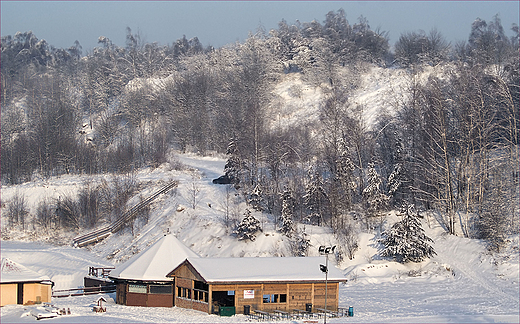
(8, 294)
(32, 293)
(124, 297)
(297, 295)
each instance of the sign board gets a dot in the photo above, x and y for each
(249, 294)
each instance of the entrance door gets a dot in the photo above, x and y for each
(222, 299)
(19, 299)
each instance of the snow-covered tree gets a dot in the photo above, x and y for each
(376, 201)
(345, 174)
(301, 243)
(316, 199)
(255, 199)
(248, 227)
(405, 240)
(397, 184)
(286, 219)
(233, 166)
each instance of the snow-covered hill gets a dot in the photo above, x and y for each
(462, 283)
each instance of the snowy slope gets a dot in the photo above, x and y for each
(462, 283)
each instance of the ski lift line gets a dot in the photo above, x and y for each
(102, 233)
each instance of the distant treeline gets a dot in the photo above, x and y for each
(451, 147)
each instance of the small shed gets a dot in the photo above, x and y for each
(265, 284)
(21, 285)
(142, 281)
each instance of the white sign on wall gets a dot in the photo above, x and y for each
(249, 294)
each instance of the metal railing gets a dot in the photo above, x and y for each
(99, 234)
(83, 291)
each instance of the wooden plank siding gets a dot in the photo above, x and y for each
(289, 295)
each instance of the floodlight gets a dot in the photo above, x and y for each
(323, 268)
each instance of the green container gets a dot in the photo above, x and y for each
(226, 311)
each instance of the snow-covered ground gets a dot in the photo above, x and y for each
(462, 283)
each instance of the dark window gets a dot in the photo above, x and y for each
(160, 289)
(200, 295)
(275, 298)
(199, 285)
(183, 292)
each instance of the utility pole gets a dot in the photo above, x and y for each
(326, 250)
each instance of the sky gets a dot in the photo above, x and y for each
(218, 23)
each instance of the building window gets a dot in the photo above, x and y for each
(183, 292)
(200, 291)
(137, 289)
(160, 289)
(200, 295)
(274, 298)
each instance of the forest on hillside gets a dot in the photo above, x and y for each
(451, 148)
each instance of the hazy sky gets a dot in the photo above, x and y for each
(218, 23)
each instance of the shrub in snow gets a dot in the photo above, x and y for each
(248, 227)
(405, 240)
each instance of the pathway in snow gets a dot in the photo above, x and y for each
(474, 269)
(211, 168)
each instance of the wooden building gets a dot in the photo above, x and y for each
(20, 285)
(169, 274)
(265, 284)
(142, 281)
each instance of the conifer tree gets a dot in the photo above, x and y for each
(405, 240)
(255, 199)
(233, 166)
(375, 200)
(287, 224)
(397, 184)
(248, 227)
(316, 199)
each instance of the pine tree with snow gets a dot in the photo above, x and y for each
(255, 199)
(405, 240)
(316, 199)
(286, 222)
(300, 243)
(248, 227)
(345, 174)
(398, 179)
(233, 166)
(374, 198)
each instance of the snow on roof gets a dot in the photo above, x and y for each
(15, 272)
(156, 262)
(264, 269)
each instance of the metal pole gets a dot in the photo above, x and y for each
(326, 277)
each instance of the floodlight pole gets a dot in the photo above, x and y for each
(326, 251)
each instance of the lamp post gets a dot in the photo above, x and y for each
(326, 250)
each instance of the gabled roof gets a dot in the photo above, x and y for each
(154, 263)
(12, 272)
(268, 269)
